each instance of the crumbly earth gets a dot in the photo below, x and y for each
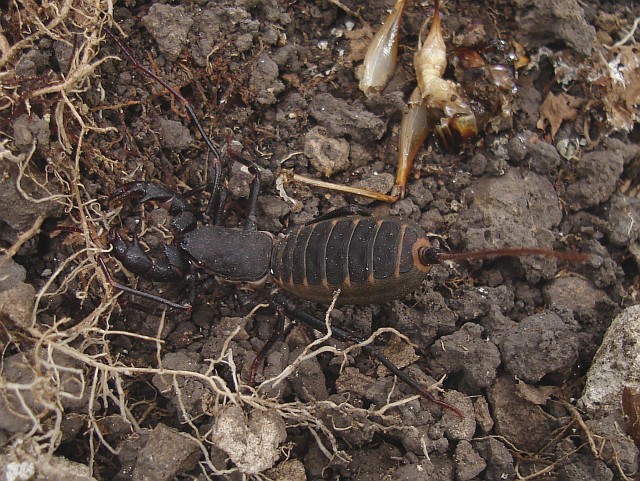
(93, 377)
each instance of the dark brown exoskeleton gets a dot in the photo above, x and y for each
(367, 259)
(370, 260)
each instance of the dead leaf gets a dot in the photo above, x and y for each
(398, 352)
(292, 79)
(536, 394)
(556, 109)
(359, 40)
(623, 94)
(631, 408)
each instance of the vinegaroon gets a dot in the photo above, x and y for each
(369, 260)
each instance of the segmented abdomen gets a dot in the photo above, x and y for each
(370, 260)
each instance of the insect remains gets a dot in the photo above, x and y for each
(456, 109)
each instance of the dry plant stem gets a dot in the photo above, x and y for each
(630, 35)
(101, 375)
(278, 331)
(291, 177)
(595, 450)
(27, 42)
(346, 9)
(94, 427)
(320, 444)
(577, 417)
(216, 383)
(346, 336)
(73, 80)
(5, 46)
(370, 340)
(23, 168)
(24, 237)
(45, 288)
(54, 340)
(197, 439)
(557, 463)
(89, 50)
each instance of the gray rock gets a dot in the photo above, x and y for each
(615, 366)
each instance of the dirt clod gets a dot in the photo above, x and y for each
(499, 460)
(16, 304)
(618, 449)
(557, 348)
(341, 118)
(169, 26)
(24, 464)
(597, 174)
(584, 467)
(12, 274)
(291, 470)
(468, 462)
(543, 22)
(465, 352)
(167, 454)
(326, 154)
(508, 412)
(264, 80)
(24, 198)
(31, 130)
(174, 135)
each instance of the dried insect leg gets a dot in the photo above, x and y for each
(414, 129)
(382, 54)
